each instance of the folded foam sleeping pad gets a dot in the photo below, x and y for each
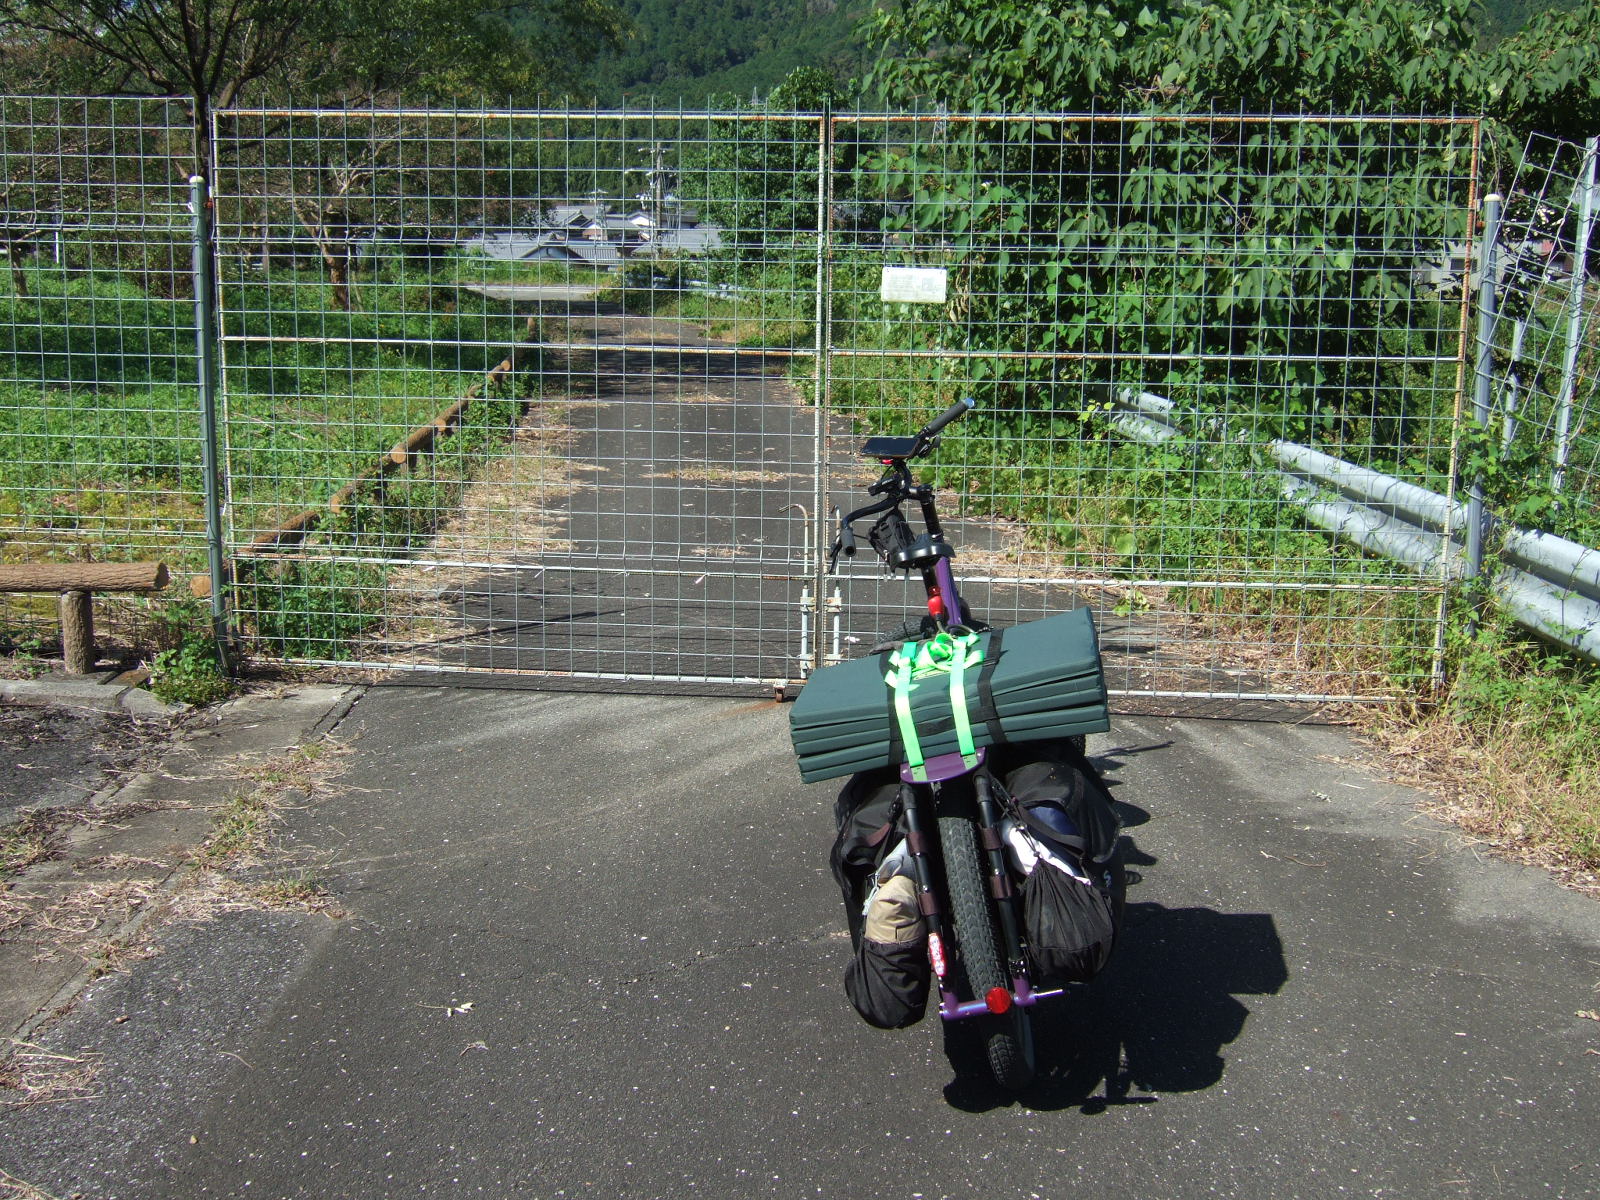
(1038, 680)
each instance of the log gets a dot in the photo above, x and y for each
(77, 632)
(291, 533)
(83, 577)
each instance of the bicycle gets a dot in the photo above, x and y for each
(952, 804)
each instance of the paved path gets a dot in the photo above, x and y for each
(653, 521)
(593, 949)
(536, 293)
(671, 516)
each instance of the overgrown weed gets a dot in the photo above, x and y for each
(242, 834)
(1511, 750)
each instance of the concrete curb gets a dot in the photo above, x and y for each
(196, 773)
(89, 692)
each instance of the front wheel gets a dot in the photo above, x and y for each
(1007, 1039)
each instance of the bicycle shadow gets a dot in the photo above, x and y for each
(1156, 1020)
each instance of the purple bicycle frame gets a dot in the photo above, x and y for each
(952, 766)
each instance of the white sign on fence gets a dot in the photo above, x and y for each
(914, 285)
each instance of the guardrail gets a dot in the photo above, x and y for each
(1545, 583)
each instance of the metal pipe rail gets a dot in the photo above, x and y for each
(1547, 584)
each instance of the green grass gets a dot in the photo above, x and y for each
(1511, 749)
(767, 304)
(100, 443)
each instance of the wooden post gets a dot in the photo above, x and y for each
(77, 632)
(75, 584)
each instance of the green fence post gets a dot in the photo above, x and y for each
(205, 338)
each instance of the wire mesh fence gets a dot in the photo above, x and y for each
(572, 393)
(513, 391)
(1148, 310)
(99, 425)
(1546, 342)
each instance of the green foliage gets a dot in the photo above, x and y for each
(299, 609)
(760, 175)
(1420, 56)
(450, 49)
(1546, 78)
(1534, 713)
(1202, 250)
(88, 459)
(190, 672)
(696, 51)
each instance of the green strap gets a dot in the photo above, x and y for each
(899, 678)
(942, 654)
(958, 708)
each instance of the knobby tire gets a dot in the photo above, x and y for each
(1007, 1040)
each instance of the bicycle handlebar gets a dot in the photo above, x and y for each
(959, 409)
(918, 444)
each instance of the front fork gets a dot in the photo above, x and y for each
(1001, 891)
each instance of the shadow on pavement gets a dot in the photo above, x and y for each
(1155, 1021)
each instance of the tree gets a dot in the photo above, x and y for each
(1259, 55)
(1199, 257)
(207, 50)
(1416, 56)
(1546, 79)
(215, 52)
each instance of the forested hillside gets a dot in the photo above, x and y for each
(693, 50)
(1501, 18)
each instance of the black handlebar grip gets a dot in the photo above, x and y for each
(847, 540)
(959, 409)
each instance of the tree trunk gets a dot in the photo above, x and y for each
(339, 277)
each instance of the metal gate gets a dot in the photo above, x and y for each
(569, 393)
(514, 392)
(572, 393)
(1189, 335)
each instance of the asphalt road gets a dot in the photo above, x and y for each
(593, 948)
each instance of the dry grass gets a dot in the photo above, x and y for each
(517, 500)
(85, 915)
(27, 841)
(516, 507)
(206, 895)
(31, 1075)
(1501, 790)
(721, 475)
(242, 835)
(12, 1188)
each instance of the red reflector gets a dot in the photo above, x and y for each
(998, 1000)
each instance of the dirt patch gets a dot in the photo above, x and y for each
(52, 756)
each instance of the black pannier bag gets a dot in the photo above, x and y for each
(1053, 774)
(1070, 925)
(886, 981)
